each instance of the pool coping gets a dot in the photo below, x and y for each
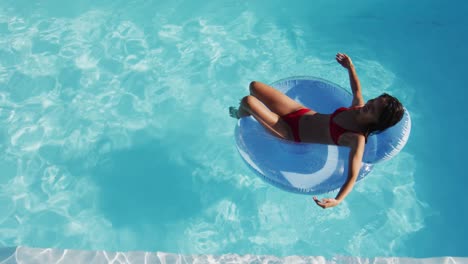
(21, 254)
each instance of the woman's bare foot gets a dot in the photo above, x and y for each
(234, 112)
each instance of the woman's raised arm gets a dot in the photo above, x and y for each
(346, 62)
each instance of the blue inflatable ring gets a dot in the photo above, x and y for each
(312, 168)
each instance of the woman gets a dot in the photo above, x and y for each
(288, 119)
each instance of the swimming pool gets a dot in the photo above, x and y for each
(116, 136)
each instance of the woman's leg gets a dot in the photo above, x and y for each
(275, 100)
(271, 121)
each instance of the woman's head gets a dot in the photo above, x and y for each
(382, 112)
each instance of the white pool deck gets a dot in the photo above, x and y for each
(50, 255)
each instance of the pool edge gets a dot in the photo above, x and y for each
(21, 254)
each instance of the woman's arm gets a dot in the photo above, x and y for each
(357, 144)
(346, 62)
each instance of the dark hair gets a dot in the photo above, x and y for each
(391, 114)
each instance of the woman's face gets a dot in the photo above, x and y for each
(372, 110)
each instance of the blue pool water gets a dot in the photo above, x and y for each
(115, 133)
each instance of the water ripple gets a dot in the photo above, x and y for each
(78, 90)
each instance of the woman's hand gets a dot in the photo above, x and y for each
(344, 60)
(326, 203)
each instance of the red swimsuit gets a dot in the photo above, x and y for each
(335, 130)
(293, 121)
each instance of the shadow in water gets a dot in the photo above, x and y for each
(142, 185)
